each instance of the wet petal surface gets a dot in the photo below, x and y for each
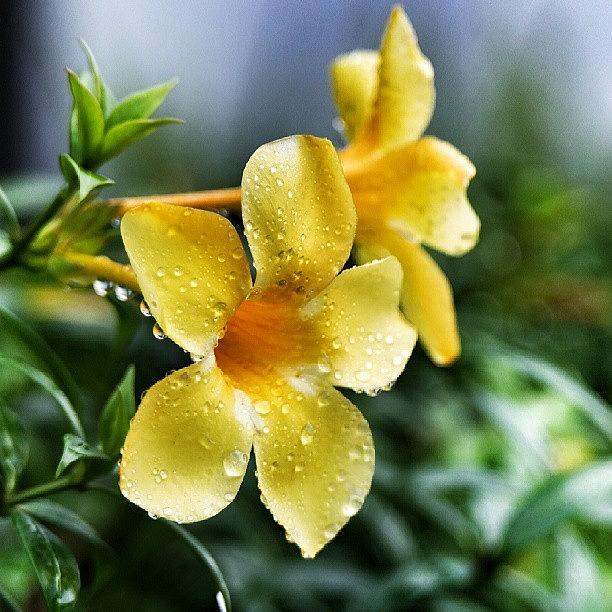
(365, 342)
(420, 190)
(298, 214)
(315, 460)
(426, 297)
(188, 446)
(191, 268)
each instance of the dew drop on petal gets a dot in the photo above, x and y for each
(234, 464)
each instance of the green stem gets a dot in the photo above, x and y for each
(69, 481)
(29, 234)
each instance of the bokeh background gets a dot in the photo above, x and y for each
(493, 487)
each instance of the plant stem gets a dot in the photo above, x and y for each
(30, 232)
(69, 481)
(206, 200)
(100, 266)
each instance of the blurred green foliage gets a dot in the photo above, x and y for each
(493, 484)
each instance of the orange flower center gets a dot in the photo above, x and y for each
(264, 336)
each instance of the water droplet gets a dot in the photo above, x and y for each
(193, 283)
(102, 287)
(160, 272)
(144, 309)
(262, 407)
(351, 507)
(299, 467)
(123, 294)
(178, 271)
(235, 464)
(158, 332)
(229, 497)
(307, 435)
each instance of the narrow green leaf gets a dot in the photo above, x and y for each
(98, 83)
(89, 122)
(121, 136)
(539, 513)
(42, 379)
(84, 181)
(139, 105)
(14, 447)
(57, 515)
(10, 216)
(117, 414)
(579, 578)
(55, 566)
(18, 339)
(207, 559)
(76, 449)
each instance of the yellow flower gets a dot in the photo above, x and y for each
(270, 353)
(408, 189)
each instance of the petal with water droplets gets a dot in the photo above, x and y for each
(315, 461)
(364, 340)
(191, 268)
(420, 190)
(426, 297)
(298, 214)
(188, 446)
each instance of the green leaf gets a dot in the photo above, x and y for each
(117, 414)
(207, 559)
(55, 566)
(14, 447)
(57, 515)
(42, 379)
(580, 580)
(77, 449)
(87, 123)
(83, 181)
(123, 135)
(540, 512)
(139, 105)
(18, 339)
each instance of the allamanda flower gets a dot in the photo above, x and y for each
(408, 189)
(270, 354)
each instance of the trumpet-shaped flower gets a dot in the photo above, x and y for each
(408, 189)
(269, 354)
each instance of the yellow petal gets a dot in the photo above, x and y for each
(420, 190)
(298, 215)
(191, 268)
(315, 460)
(365, 341)
(427, 297)
(354, 79)
(188, 446)
(406, 94)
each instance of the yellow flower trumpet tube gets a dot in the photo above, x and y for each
(269, 354)
(408, 189)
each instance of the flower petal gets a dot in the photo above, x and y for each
(420, 190)
(191, 268)
(427, 297)
(188, 445)
(315, 461)
(298, 215)
(365, 341)
(354, 80)
(406, 94)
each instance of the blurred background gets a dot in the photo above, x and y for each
(493, 486)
